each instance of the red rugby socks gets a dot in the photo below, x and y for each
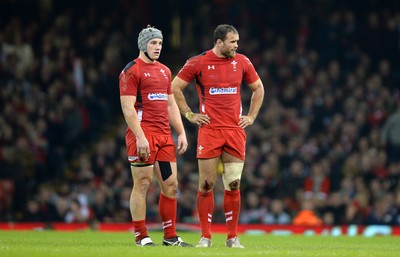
(205, 209)
(232, 209)
(140, 229)
(167, 207)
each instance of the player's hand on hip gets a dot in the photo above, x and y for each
(200, 119)
(245, 121)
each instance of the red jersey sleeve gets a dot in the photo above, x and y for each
(189, 70)
(128, 83)
(250, 74)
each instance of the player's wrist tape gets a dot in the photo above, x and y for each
(189, 115)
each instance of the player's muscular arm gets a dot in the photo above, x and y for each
(255, 104)
(131, 118)
(178, 85)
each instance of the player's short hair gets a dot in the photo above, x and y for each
(222, 30)
(146, 35)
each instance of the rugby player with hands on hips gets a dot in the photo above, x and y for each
(218, 74)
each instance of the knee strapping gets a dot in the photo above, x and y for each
(232, 174)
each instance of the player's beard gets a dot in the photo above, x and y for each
(229, 53)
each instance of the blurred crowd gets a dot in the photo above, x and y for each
(325, 148)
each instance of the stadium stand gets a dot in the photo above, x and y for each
(328, 132)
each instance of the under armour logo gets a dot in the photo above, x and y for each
(146, 74)
(200, 149)
(211, 67)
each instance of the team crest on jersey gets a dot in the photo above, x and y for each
(234, 65)
(200, 149)
(163, 72)
(157, 96)
(223, 91)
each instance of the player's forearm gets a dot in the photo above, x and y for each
(256, 101)
(130, 115)
(134, 125)
(132, 120)
(180, 100)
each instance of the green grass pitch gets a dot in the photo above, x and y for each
(115, 244)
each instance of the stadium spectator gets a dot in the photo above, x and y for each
(336, 207)
(307, 216)
(383, 211)
(391, 135)
(253, 209)
(276, 214)
(78, 213)
(291, 180)
(317, 184)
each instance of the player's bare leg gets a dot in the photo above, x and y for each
(142, 177)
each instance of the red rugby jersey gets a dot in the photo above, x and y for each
(151, 84)
(218, 82)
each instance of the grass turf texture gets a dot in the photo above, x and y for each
(115, 244)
